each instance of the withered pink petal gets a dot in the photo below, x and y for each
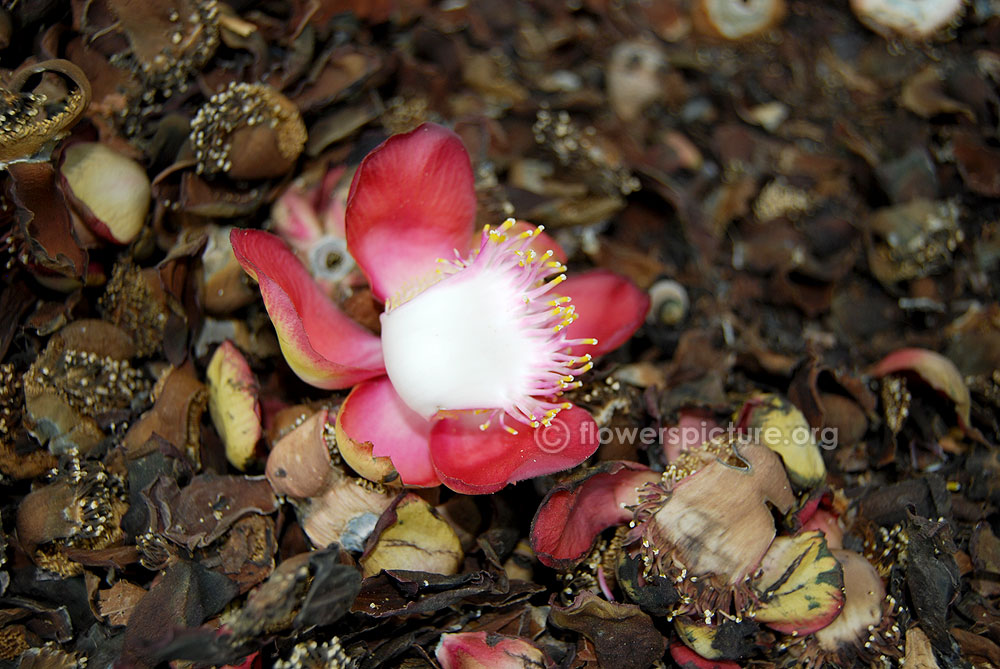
(475, 461)
(573, 513)
(295, 220)
(688, 659)
(373, 412)
(939, 372)
(481, 650)
(321, 344)
(610, 309)
(412, 201)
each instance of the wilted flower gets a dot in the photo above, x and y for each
(477, 342)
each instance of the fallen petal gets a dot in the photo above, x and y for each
(574, 513)
(481, 650)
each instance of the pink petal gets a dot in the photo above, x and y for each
(610, 306)
(480, 650)
(321, 344)
(373, 412)
(474, 461)
(574, 513)
(412, 201)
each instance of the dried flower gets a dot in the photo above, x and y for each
(470, 348)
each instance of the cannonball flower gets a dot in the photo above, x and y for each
(480, 335)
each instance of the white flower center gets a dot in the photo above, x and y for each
(486, 336)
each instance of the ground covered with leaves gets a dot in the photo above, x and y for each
(806, 191)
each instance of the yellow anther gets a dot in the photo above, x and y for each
(567, 405)
(510, 429)
(586, 368)
(556, 281)
(507, 224)
(535, 423)
(568, 378)
(484, 426)
(558, 300)
(591, 341)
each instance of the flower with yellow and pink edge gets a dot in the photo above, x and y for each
(480, 336)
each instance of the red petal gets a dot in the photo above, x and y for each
(412, 201)
(610, 308)
(574, 513)
(321, 344)
(374, 412)
(474, 461)
(479, 650)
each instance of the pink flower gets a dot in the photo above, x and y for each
(479, 339)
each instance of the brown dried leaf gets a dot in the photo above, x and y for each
(116, 603)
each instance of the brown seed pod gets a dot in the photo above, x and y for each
(248, 131)
(26, 122)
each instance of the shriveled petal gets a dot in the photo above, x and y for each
(475, 461)
(610, 308)
(574, 513)
(321, 344)
(374, 413)
(295, 220)
(412, 201)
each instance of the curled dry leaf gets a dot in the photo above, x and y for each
(232, 403)
(623, 635)
(176, 415)
(411, 536)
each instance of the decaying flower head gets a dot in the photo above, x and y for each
(478, 341)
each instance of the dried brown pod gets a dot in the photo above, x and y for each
(248, 131)
(110, 191)
(736, 19)
(164, 43)
(27, 123)
(300, 464)
(82, 507)
(223, 282)
(180, 401)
